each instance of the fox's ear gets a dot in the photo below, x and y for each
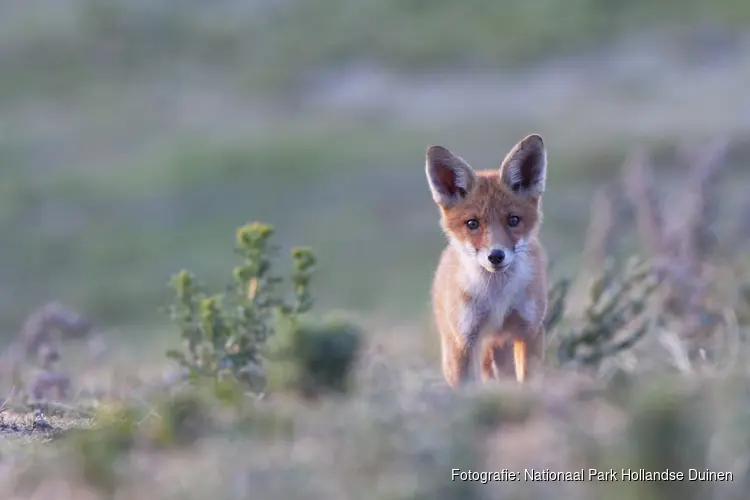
(449, 176)
(524, 169)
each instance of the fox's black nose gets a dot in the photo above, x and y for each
(496, 257)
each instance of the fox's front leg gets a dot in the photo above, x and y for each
(461, 350)
(526, 341)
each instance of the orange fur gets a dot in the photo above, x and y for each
(489, 293)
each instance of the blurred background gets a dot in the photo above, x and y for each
(136, 135)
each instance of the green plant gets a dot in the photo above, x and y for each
(557, 294)
(616, 317)
(668, 429)
(315, 357)
(99, 452)
(224, 334)
(183, 418)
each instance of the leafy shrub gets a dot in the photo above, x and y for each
(315, 357)
(614, 320)
(223, 334)
(226, 334)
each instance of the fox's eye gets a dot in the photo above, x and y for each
(472, 224)
(513, 220)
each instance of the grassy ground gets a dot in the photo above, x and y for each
(399, 434)
(136, 136)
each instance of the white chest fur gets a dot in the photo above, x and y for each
(494, 296)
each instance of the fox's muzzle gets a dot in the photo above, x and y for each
(496, 257)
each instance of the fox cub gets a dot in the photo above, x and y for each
(489, 292)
